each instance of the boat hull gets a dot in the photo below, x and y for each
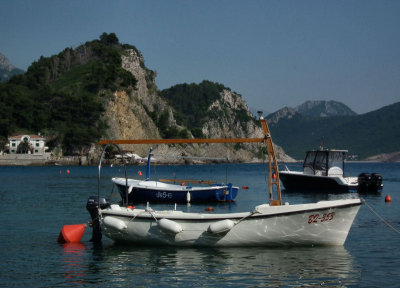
(322, 223)
(300, 182)
(158, 192)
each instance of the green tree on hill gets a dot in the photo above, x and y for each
(191, 102)
(60, 94)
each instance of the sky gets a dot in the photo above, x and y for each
(274, 53)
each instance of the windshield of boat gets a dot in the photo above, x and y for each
(336, 159)
(323, 160)
(310, 159)
(320, 161)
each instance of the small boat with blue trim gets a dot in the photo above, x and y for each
(142, 191)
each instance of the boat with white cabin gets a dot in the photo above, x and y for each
(323, 171)
(271, 224)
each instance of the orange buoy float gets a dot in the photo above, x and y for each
(209, 209)
(131, 207)
(71, 233)
(245, 187)
(388, 198)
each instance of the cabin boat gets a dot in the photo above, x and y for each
(142, 191)
(270, 224)
(323, 171)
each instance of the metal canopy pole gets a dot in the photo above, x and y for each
(99, 167)
(273, 166)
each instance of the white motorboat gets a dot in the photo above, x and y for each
(323, 171)
(272, 224)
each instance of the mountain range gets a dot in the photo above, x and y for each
(102, 89)
(366, 135)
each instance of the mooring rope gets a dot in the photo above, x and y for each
(151, 212)
(380, 217)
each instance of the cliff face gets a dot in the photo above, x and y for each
(125, 113)
(127, 118)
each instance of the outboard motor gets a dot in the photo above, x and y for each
(92, 206)
(371, 183)
(376, 179)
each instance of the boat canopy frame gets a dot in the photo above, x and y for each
(322, 160)
(273, 183)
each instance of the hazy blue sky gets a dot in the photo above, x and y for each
(273, 53)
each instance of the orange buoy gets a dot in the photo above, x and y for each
(68, 171)
(209, 209)
(273, 176)
(71, 233)
(245, 187)
(388, 198)
(131, 207)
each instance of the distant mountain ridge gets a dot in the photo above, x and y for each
(324, 109)
(364, 135)
(312, 109)
(7, 70)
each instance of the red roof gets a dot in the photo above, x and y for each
(18, 137)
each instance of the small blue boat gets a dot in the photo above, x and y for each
(142, 191)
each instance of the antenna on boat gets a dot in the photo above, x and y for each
(272, 163)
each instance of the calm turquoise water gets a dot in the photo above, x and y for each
(37, 201)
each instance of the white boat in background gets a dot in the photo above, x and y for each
(323, 172)
(272, 224)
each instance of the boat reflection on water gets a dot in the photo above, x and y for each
(237, 267)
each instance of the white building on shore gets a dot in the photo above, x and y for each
(36, 144)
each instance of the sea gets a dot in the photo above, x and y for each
(36, 202)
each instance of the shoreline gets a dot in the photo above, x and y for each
(117, 162)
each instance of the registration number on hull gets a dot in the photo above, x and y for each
(320, 218)
(164, 195)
